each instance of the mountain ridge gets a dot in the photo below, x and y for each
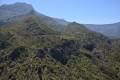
(21, 9)
(110, 30)
(36, 47)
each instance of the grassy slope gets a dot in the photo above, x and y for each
(47, 55)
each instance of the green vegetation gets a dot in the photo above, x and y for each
(33, 49)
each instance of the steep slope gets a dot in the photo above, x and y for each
(18, 11)
(28, 50)
(76, 28)
(31, 25)
(38, 48)
(110, 30)
(9, 11)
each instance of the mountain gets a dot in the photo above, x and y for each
(37, 47)
(9, 11)
(19, 11)
(76, 28)
(61, 21)
(16, 11)
(110, 30)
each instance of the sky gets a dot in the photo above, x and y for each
(82, 11)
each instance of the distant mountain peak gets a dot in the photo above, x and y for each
(11, 12)
(8, 11)
(110, 30)
(16, 7)
(16, 4)
(74, 23)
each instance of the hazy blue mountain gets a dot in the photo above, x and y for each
(61, 21)
(10, 12)
(110, 30)
(17, 9)
(20, 10)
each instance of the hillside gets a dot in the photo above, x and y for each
(110, 30)
(34, 47)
